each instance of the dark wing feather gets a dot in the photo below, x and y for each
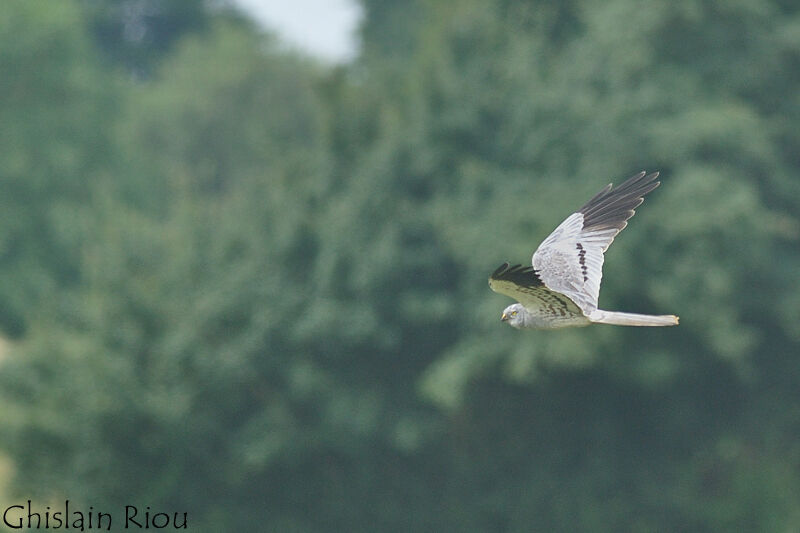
(613, 206)
(524, 276)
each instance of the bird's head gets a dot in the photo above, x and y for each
(514, 315)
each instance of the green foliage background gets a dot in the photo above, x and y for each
(248, 286)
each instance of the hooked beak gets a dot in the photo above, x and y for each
(504, 317)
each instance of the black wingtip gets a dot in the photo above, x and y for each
(499, 270)
(613, 206)
(521, 275)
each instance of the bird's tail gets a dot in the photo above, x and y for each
(632, 319)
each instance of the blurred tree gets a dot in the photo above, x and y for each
(500, 104)
(57, 108)
(139, 33)
(390, 28)
(279, 316)
(171, 370)
(559, 115)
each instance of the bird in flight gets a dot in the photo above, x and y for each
(561, 287)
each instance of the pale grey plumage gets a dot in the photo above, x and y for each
(562, 286)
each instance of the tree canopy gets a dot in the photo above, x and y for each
(250, 286)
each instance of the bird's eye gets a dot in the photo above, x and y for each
(513, 313)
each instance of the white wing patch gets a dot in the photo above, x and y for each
(570, 261)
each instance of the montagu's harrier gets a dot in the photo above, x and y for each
(561, 288)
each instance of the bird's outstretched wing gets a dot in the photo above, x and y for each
(570, 260)
(524, 285)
